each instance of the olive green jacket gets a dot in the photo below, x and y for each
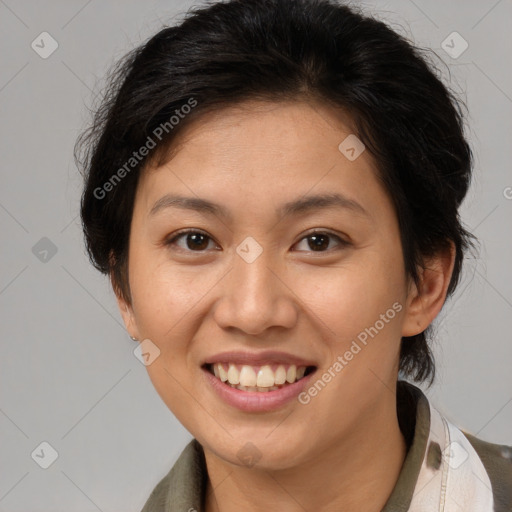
(445, 469)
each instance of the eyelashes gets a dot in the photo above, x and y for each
(200, 241)
(180, 234)
(319, 235)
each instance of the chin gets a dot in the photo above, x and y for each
(259, 453)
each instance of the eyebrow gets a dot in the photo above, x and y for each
(299, 206)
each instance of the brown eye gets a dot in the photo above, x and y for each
(319, 241)
(196, 241)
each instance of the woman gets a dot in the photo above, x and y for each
(273, 188)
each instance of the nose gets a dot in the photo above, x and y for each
(255, 297)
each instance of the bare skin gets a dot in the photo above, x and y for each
(343, 450)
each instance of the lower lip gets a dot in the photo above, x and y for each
(257, 401)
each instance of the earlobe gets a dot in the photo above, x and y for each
(128, 317)
(426, 299)
(126, 311)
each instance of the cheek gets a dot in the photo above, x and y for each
(160, 301)
(170, 300)
(167, 306)
(159, 295)
(361, 301)
(359, 289)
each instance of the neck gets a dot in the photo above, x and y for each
(358, 472)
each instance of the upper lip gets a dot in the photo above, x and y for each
(257, 358)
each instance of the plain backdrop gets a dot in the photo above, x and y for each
(68, 374)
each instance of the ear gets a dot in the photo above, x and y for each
(126, 310)
(425, 301)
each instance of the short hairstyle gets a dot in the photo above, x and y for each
(285, 50)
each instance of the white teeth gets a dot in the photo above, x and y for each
(280, 376)
(247, 376)
(223, 374)
(233, 375)
(265, 377)
(260, 379)
(291, 374)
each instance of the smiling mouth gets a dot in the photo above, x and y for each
(270, 377)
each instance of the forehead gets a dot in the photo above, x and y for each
(288, 130)
(261, 151)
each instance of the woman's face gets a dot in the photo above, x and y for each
(255, 279)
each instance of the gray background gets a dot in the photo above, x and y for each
(68, 373)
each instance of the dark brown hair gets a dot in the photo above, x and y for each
(228, 52)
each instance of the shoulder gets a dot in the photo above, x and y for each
(452, 464)
(497, 461)
(183, 487)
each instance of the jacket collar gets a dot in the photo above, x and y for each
(441, 471)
